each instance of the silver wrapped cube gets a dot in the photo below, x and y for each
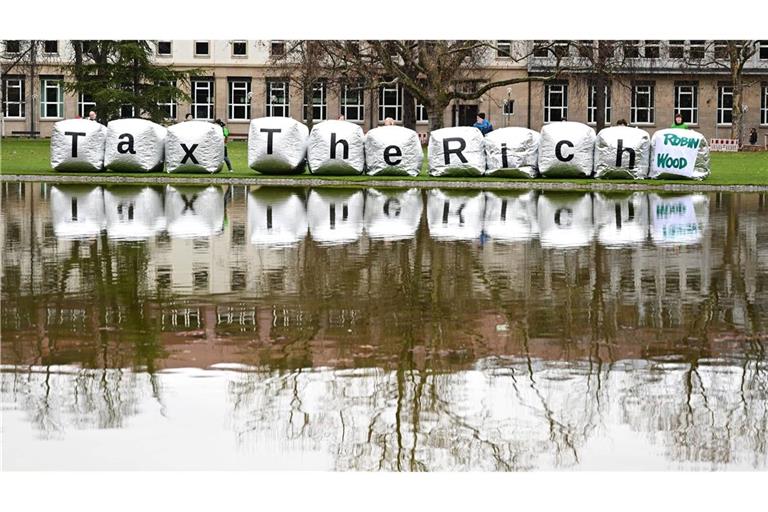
(78, 145)
(77, 211)
(335, 215)
(194, 211)
(677, 153)
(566, 150)
(455, 214)
(132, 212)
(134, 145)
(276, 217)
(336, 148)
(392, 214)
(456, 151)
(510, 216)
(393, 151)
(565, 219)
(678, 219)
(621, 217)
(277, 145)
(512, 153)
(622, 152)
(194, 146)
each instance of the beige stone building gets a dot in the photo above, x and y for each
(238, 82)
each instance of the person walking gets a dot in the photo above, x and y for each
(679, 122)
(225, 130)
(753, 137)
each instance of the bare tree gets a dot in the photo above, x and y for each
(730, 56)
(26, 61)
(433, 72)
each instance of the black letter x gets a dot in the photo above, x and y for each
(188, 153)
(189, 204)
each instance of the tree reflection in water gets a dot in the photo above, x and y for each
(398, 330)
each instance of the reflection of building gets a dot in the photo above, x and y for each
(453, 215)
(77, 211)
(134, 212)
(335, 215)
(565, 219)
(511, 216)
(392, 214)
(276, 216)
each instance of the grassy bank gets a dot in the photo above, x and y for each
(31, 157)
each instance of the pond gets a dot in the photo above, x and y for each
(229, 327)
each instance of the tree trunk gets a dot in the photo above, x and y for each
(737, 116)
(409, 109)
(600, 83)
(436, 113)
(308, 111)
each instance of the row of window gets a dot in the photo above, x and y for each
(643, 103)
(238, 48)
(634, 49)
(352, 103)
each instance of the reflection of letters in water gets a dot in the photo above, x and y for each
(335, 216)
(276, 217)
(510, 217)
(455, 215)
(674, 219)
(621, 220)
(392, 215)
(194, 211)
(565, 219)
(133, 212)
(77, 211)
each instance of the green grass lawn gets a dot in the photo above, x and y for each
(31, 157)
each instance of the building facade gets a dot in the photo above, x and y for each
(239, 81)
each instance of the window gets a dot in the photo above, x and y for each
(724, 104)
(586, 49)
(85, 104)
(764, 106)
(202, 98)
(763, 51)
(168, 105)
(318, 102)
(239, 103)
(164, 48)
(14, 99)
(697, 49)
(239, 48)
(677, 49)
(687, 101)
(421, 113)
(632, 49)
(277, 48)
(652, 50)
(721, 50)
(51, 47)
(202, 48)
(390, 103)
(641, 110)
(592, 111)
(503, 49)
(509, 107)
(277, 98)
(12, 47)
(555, 102)
(561, 48)
(540, 49)
(52, 98)
(127, 110)
(352, 102)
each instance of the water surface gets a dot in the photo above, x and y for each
(382, 329)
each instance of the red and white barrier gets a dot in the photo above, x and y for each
(723, 144)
